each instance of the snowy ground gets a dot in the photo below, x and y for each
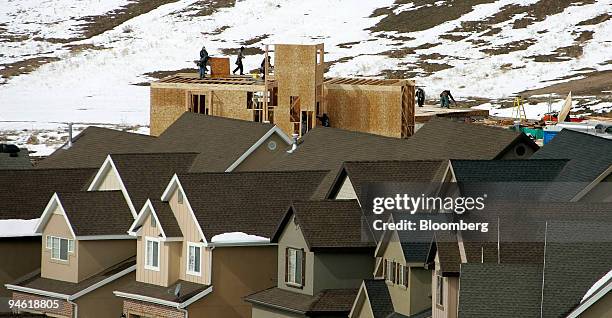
(95, 86)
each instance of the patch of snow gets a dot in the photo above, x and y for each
(598, 284)
(238, 237)
(18, 228)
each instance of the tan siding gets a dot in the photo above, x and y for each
(238, 272)
(346, 191)
(190, 234)
(55, 269)
(364, 311)
(420, 289)
(335, 270)
(292, 237)
(263, 155)
(148, 275)
(95, 256)
(109, 181)
(174, 270)
(102, 303)
(266, 312)
(602, 308)
(400, 295)
(20, 256)
(450, 297)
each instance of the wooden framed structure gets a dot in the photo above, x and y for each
(292, 96)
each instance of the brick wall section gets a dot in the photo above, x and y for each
(65, 308)
(150, 309)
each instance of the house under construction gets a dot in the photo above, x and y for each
(291, 96)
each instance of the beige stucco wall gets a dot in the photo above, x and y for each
(602, 308)
(56, 269)
(95, 256)
(400, 295)
(102, 303)
(237, 272)
(292, 237)
(263, 155)
(20, 256)
(346, 191)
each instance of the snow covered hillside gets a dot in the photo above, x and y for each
(79, 61)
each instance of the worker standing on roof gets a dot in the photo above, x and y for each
(262, 68)
(203, 62)
(239, 61)
(420, 94)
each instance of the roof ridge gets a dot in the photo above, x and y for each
(155, 153)
(251, 172)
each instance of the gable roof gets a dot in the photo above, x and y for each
(250, 202)
(444, 138)
(189, 291)
(328, 225)
(220, 141)
(363, 172)
(146, 175)
(25, 193)
(92, 145)
(93, 213)
(164, 216)
(500, 290)
(18, 160)
(589, 154)
(380, 299)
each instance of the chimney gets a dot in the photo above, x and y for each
(69, 136)
(294, 144)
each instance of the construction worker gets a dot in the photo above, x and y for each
(420, 95)
(262, 68)
(324, 120)
(203, 62)
(239, 61)
(445, 99)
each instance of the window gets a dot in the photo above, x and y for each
(249, 100)
(198, 104)
(60, 247)
(402, 278)
(152, 254)
(153, 221)
(295, 267)
(194, 257)
(439, 290)
(179, 196)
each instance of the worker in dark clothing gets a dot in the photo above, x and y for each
(262, 68)
(239, 61)
(324, 120)
(203, 62)
(445, 99)
(420, 94)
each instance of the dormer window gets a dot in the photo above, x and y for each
(153, 222)
(179, 197)
(294, 267)
(60, 247)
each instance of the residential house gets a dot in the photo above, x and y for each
(206, 244)
(13, 157)
(323, 255)
(24, 193)
(597, 302)
(222, 144)
(86, 254)
(588, 175)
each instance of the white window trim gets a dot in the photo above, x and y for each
(146, 251)
(439, 290)
(296, 284)
(69, 250)
(200, 246)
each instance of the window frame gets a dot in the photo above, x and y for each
(51, 239)
(187, 263)
(180, 197)
(153, 221)
(439, 290)
(302, 276)
(146, 254)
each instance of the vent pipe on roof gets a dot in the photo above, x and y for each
(294, 144)
(69, 136)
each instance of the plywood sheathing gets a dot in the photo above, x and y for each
(219, 67)
(167, 105)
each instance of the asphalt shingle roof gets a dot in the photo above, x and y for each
(380, 299)
(329, 301)
(187, 290)
(25, 193)
(500, 290)
(248, 202)
(97, 212)
(166, 218)
(35, 281)
(90, 148)
(19, 160)
(589, 157)
(330, 224)
(147, 175)
(220, 141)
